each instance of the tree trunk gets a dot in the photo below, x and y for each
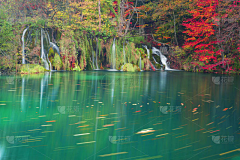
(99, 13)
(175, 33)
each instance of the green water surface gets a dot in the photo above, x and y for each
(92, 115)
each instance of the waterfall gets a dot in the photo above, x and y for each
(43, 55)
(114, 55)
(162, 57)
(55, 47)
(147, 51)
(96, 53)
(151, 65)
(48, 38)
(23, 47)
(93, 59)
(48, 46)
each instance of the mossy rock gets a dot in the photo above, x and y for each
(130, 67)
(31, 69)
(76, 68)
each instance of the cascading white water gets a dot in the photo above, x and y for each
(97, 54)
(48, 46)
(43, 55)
(114, 55)
(162, 57)
(48, 37)
(23, 47)
(55, 47)
(147, 51)
(93, 59)
(96, 62)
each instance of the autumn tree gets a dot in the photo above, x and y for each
(200, 29)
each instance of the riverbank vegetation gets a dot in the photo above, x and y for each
(195, 35)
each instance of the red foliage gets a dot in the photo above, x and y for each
(127, 5)
(151, 40)
(213, 66)
(33, 6)
(200, 30)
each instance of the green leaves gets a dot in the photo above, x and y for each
(6, 34)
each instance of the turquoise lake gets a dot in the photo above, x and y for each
(88, 115)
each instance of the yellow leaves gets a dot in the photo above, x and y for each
(49, 5)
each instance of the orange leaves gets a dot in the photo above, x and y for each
(142, 26)
(165, 37)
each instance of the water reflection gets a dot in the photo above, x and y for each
(22, 97)
(119, 115)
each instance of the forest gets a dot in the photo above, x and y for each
(194, 35)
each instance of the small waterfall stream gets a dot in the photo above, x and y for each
(97, 54)
(23, 46)
(114, 55)
(43, 55)
(145, 46)
(93, 59)
(162, 57)
(48, 46)
(44, 49)
(55, 47)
